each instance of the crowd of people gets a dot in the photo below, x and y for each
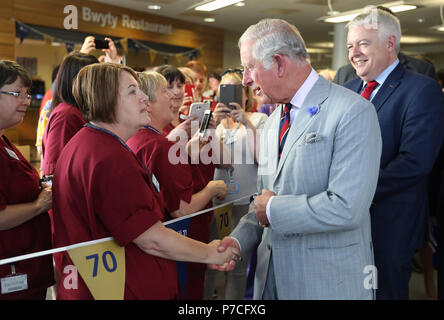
(345, 166)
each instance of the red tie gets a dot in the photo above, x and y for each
(367, 92)
(284, 127)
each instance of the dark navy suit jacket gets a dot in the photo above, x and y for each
(410, 110)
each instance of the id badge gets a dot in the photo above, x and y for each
(233, 187)
(13, 283)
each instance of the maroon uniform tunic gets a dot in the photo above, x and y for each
(176, 181)
(100, 190)
(64, 122)
(19, 183)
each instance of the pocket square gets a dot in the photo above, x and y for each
(311, 137)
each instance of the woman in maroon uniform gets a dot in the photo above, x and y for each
(66, 118)
(24, 222)
(153, 148)
(101, 189)
(184, 187)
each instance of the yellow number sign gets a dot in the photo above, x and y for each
(223, 220)
(102, 267)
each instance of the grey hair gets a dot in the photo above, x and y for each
(150, 81)
(387, 24)
(275, 36)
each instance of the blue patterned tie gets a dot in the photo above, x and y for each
(284, 127)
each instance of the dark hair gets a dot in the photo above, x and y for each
(10, 71)
(96, 102)
(54, 73)
(215, 75)
(171, 73)
(440, 75)
(68, 71)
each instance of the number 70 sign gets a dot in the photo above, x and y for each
(102, 267)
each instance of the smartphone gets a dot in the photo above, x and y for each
(46, 179)
(198, 109)
(205, 122)
(189, 89)
(101, 44)
(230, 93)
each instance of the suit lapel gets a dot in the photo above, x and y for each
(388, 87)
(317, 95)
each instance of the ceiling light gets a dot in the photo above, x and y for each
(215, 4)
(153, 7)
(438, 28)
(240, 4)
(397, 6)
(209, 19)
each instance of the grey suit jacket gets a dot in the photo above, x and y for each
(324, 184)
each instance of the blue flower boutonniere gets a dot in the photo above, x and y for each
(313, 110)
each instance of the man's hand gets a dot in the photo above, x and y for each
(260, 207)
(223, 245)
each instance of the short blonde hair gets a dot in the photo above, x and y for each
(190, 75)
(150, 81)
(96, 90)
(236, 78)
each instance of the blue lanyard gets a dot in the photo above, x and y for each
(153, 129)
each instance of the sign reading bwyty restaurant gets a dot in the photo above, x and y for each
(106, 20)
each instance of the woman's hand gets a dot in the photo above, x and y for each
(110, 53)
(238, 114)
(221, 112)
(225, 260)
(44, 200)
(218, 188)
(88, 45)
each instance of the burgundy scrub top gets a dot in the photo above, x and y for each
(176, 181)
(19, 183)
(100, 189)
(64, 122)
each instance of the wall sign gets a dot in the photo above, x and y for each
(106, 20)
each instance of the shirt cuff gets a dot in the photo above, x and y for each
(268, 210)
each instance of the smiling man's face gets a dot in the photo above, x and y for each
(368, 54)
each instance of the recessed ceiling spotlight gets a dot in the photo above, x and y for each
(153, 7)
(209, 19)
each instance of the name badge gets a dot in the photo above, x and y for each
(14, 283)
(12, 154)
(232, 187)
(155, 183)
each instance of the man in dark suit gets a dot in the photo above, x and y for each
(347, 73)
(410, 110)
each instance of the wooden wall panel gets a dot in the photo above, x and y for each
(49, 13)
(7, 30)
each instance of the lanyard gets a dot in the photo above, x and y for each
(153, 129)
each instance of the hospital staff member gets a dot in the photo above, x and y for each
(24, 221)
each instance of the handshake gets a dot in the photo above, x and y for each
(225, 255)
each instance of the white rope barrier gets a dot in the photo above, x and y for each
(88, 243)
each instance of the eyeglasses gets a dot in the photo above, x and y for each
(23, 96)
(241, 71)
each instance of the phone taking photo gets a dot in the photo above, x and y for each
(205, 122)
(230, 93)
(101, 44)
(198, 109)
